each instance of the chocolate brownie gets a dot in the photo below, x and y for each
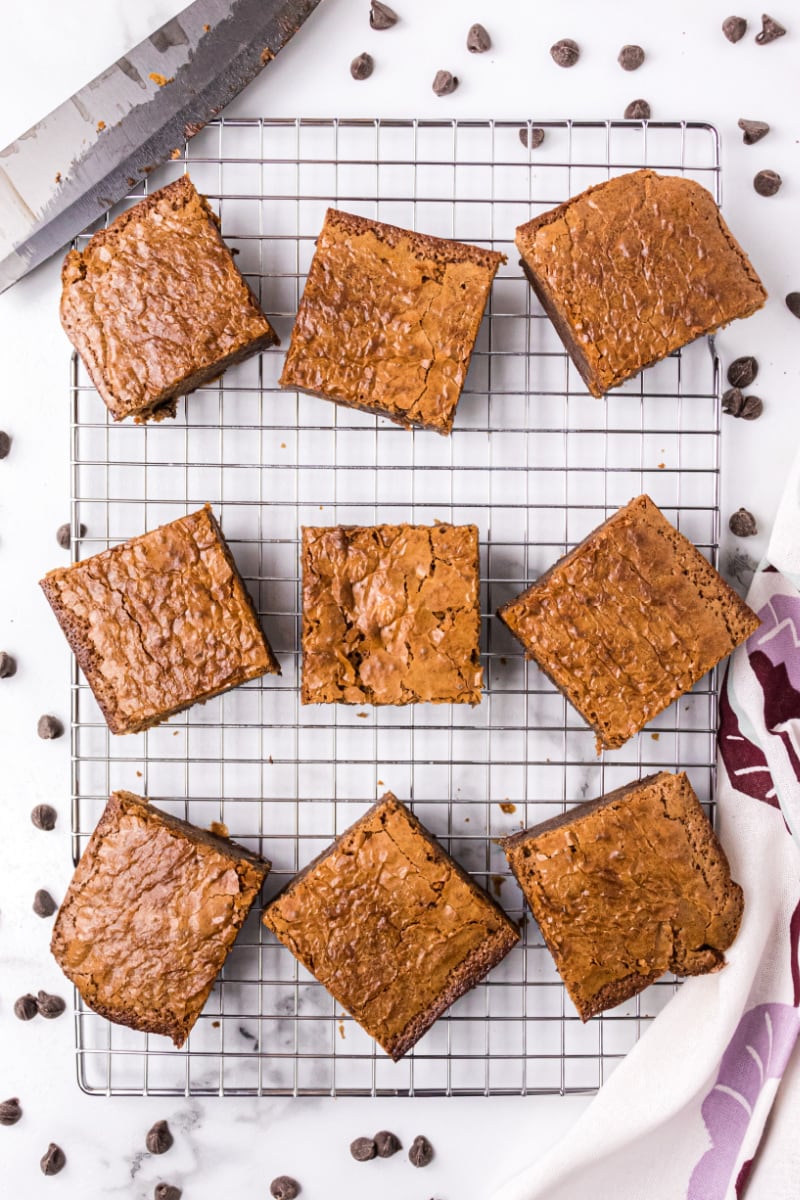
(632, 269)
(391, 925)
(155, 306)
(161, 622)
(628, 621)
(627, 887)
(391, 614)
(152, 911)
(388, 320)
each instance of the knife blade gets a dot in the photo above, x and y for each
(66, 170)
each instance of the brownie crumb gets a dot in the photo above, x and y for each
(565, 53)
(444, 83)
(770, 30)
(49, 1006)
(767, 183)
(734, 28)
(362, 66)
(743, 523)
(159, 1138)
(44, 816)
(478, 40)
(49, 727)
(637, 110)
(752, 131)
(387, 1143)
(10, 1112)
(284, 1188)
(53, 1160)
(630, 58)
(363, 1149)
(43, 903)
(742, 371)
(531, 138)
(5, 444)
(421, 1152)
(793, 303)
(8, 665)
(381, 17)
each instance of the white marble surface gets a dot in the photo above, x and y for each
(49, 48)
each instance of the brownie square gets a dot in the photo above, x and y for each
(627, 887)
(388, 320)
(391, 925)
(155, 305)
(632, 269)
(391, 614)
(151, 914)
(628, 621)
(161, 622)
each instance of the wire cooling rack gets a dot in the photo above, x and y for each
(534, 461)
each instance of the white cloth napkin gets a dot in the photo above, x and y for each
(684, 1113)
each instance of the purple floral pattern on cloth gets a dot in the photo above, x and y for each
(779, 635)
(744, 761)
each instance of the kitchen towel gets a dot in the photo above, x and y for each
(684, 1113)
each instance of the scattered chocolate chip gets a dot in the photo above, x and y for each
(753, 131)
(749, 408)
(770, 30)
(565, 53)
(49, 1006)
(64, 535)
(743, 523)
(793, 303)
(363, 1149)
(630, 58)
(284, 1188)
(742, 371)
(478, 40)
(381, 16)
(362, 67)
(5, 444)
(387, 1144)
(159, 1138)
(43, 904)
(767, 183)
(734, 28)
(752, 408)
(49, 727)
(637, 110)
(444, 83)
(421, 1152)
(8, 665)
(26, 1007)
(44, 816)
(532, 138)
(53, 1160)
(166, 1191)
(10, 1112)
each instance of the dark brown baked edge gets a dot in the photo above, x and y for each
(444, 429)
(471, 697)
(443, 249)
(83, 654)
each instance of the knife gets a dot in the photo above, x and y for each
(90, 151)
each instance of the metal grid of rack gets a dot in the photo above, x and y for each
(534, 461)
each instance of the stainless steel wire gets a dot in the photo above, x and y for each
(534, 461)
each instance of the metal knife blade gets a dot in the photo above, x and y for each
(90, 151)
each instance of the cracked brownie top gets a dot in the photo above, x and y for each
(627, 887)
(628, 621)
(632, 269)
(161, 622)
(391, 925)
(150, 915)
(388, 320)
(391, 614)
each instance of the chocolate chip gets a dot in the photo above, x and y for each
(630, 58)
(421, 1152)
(159, 1138)
(43, 904)
(381, 16)
(532, 138)
(49, 727)
(770, 30)
(387, 1144)
(752, 408)
(793, 303)
(8, 665)
(26, 1008)
(44, 816)
(166, 1191)
(752, 131)
(5, 444)
(743, 523)
(284, 1188)
(637, 110)
(742, 371)
(10, 1112)
(363, 1149)
(444, 83)
(734, 28)
(565, 53)
(53, 1160)
(749, 408)
(64, 535)
(362, 67)
(49, 1006)
(767, 183)
(478, 40)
